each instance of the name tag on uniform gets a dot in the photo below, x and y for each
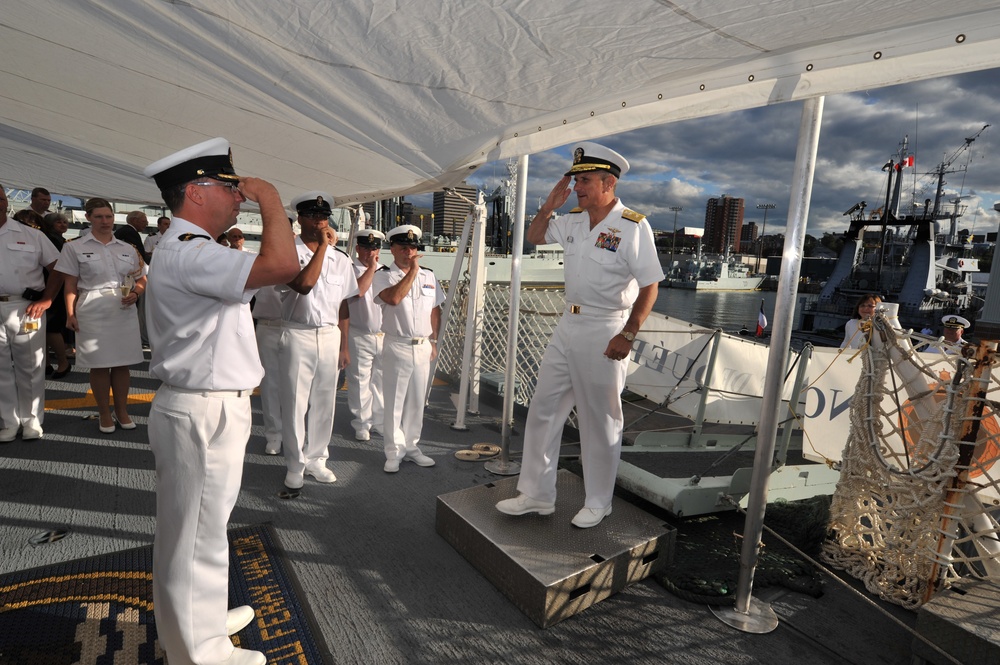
(608, 241)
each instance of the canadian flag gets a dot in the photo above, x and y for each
(761, 320)
(907, 163)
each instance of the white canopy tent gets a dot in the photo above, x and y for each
(371, 100)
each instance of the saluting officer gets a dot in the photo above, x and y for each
(313, 345)
(24, 251)
(364, 339)
(612, 276)
(411, 318)
(204, 353)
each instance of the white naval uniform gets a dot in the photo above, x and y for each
(308, 353)
(267, 313)
(406, 357)
(24, 251)
(605, 267)
(364, 374)
(109, 334)
(151, 241)
(205, 353)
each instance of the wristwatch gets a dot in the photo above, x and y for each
(627, 335)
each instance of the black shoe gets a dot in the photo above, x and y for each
(59, 375)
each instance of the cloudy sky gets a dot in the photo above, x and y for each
(751, 154)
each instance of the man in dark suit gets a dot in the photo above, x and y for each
(135, 223)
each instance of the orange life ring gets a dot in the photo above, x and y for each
(987, 450)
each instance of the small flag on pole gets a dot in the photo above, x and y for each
(761, 320)
(905, 163)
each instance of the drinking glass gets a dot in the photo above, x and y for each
(29, 324)
(126, 286)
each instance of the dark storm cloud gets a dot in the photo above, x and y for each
(751, 154)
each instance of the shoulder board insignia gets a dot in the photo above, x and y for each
(342, 252)
(632, 216)
(575, 210)
(427, 269)
(384, 268)
(184, 237)
(138, 254)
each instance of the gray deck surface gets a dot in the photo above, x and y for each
(383, 586)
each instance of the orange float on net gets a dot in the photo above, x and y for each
(987, 449)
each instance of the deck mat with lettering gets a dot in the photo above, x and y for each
(100, 609)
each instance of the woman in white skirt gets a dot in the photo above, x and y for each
(99, 268)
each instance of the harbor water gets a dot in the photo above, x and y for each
(728, 310)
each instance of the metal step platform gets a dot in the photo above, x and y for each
(547, 567)
(964, 621)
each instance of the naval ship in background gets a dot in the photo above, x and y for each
(712, 273)
(917, 259)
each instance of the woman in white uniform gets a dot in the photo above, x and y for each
(107, 327)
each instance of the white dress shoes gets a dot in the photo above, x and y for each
(391, 466)
(246, 657)
(523, 504)
(29, 433)
(238, 618)
(8, 434)
(362, 435)
(273, 447)
(588, 517)
(293, 481)
(419, 459)
(321, 473)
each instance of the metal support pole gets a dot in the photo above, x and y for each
(760, 618)
(477, 289)
(763, 229)
(502, 465)
(456, 270)
(673, 242)
(706, 390)
(805, 356)
(352, 238)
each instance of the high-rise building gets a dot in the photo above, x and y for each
(389, 213)
(748, 238)
(723, 224)
(450, 211)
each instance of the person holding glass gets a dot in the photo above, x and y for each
(104, 277)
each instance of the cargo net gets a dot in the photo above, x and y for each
(917, 502)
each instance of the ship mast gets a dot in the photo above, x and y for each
(945, 168)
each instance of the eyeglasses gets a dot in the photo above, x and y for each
(234, 187)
